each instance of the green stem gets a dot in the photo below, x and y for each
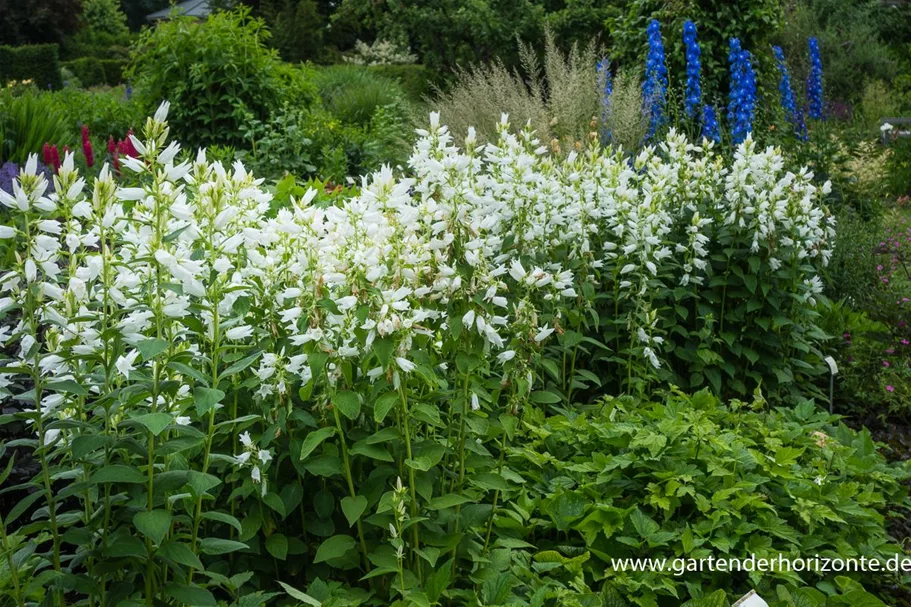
(14, 573)
(415, 534)
(351, 491)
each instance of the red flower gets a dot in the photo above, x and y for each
(87, 147)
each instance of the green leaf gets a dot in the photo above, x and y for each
(277, 546)
(154, 524)
(155, 422)
(383, 405)
(545, 397)
(275, 502)
(366, 449)
(150, 348)
(206, 399)
(180, 554)
(383, 347)
(118, 473)
(447, 501)
(314, 439)
(212, 545)
(300, 596)
(240, 365)
(68, 385)
(348, 403)
(353, 507)
(223, 517)
(190, 595)
(336, 546)
(644, 525)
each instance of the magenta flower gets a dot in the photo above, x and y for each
(890, 388)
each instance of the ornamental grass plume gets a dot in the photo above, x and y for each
(693, 92)
(654, 87)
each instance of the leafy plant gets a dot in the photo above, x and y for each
(688, 477)
(217, 74)
(27, 122)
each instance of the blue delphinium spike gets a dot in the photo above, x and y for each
(814, 82)
(693, 92)
(788, 102)
(710, 124)
(654, 88)
(742, 98)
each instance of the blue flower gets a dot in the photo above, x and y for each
(784, 86)
(710, 124)
(654, 88)
(814, 82)
(742, 97)
(8, 172)
(693, 93)
(604, 76)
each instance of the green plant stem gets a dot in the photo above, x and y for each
(415, 533)
(14, 572)
(351, 490)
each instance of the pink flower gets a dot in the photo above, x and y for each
(890, 388)
(87, 147)
(886, 363)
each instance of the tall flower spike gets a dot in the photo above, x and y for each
(607, 89)
(693, 93)
(87, 147)
(710, 129)
(742, 97)
(814, 82)
(788, 103)
(654, 88)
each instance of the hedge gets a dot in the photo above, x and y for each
(97, 72)
(417, 80)
(39, 63)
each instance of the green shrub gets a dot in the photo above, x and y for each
(217, 74)
(106, 113)
(415, 80)
(39, 63)
(353, 93)
(853, 50)
(851, 275)
(313, 143)
(688, 477)
(93, 72)
(27, 122)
